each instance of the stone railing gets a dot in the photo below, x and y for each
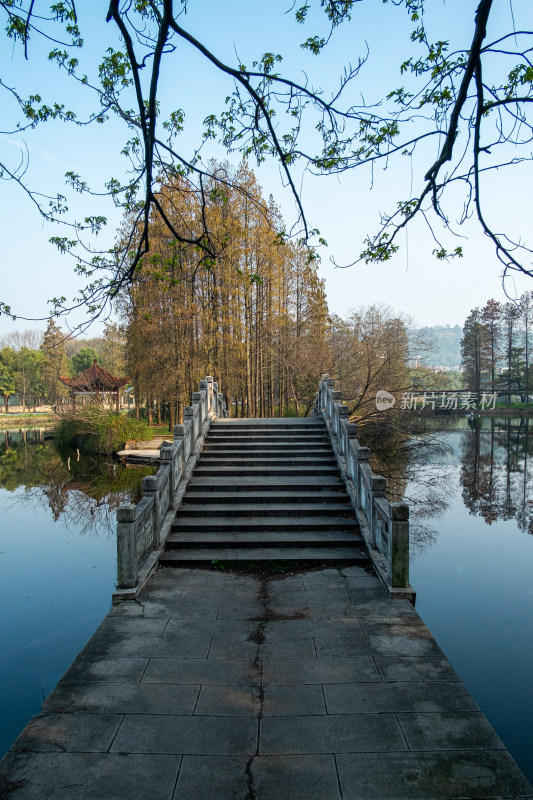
(384, 525)
(142, 529)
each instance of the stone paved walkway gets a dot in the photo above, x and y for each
(216, 685)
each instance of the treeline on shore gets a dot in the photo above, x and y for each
(496, 348)
(32, 362)
(254, 315)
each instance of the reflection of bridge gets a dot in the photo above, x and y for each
(219, 684)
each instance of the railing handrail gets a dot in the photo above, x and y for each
(161, 493)
(384, 525)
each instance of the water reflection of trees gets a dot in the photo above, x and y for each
(405, 452)
(496, 470)
(82, 490)
(494, 464)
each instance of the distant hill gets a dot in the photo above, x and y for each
(446, 345)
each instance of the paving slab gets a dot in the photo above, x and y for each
(169, 733)
(217, 685)
(229, 701)
(215, 672)
(331, 734)
(298, 777)
(120, 622)
(69, 733)
(290, 628)
(106, 669)
(417, 668)
(463, 730)
(123, 698)
(229, 649)
(213, 777)
(73, 776)
(431, 776)
(324, 671)
(286, 701)
(353, 698)
(157, 646)
(238, 630)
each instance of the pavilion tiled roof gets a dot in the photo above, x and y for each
(94, 379)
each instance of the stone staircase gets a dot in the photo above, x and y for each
(265, 490)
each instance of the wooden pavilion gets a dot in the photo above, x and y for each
(94, 381)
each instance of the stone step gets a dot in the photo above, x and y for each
(265, 471)
(267, 509)
(260, 522)
(265, 449)
(266, 539)
(212, 555)
(273, 424)
(253, 483)
(276, 440)
(261, 497)
(265, 491)
(249, 460)
(268, 434)
(261, 483)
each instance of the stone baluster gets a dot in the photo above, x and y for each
(127, 562)
(399, 556)
(188, 420)
(362, 456)
(378, 488)
(204, 388)
(179, 437)
(168, 455)
(197, 405)
(150, 488)
(351, 438)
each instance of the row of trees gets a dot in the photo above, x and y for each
(31, 362)
(496, 348)
(256, 317)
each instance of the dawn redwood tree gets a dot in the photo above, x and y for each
(472, 102)
(491, 316)
(513, 351)
(258, 318)
(526, 313)
(474, 352)
(7, 375)
(54, 362)
(28, 375)
(113, 349)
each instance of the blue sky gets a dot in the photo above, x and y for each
(344, 209)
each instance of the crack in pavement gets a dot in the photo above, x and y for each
(258, 636)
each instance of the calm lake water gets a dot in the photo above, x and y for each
(471, 565)
(57, 564)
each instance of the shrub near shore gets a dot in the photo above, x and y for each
(98, 430)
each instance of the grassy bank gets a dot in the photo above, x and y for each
(29, 420)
